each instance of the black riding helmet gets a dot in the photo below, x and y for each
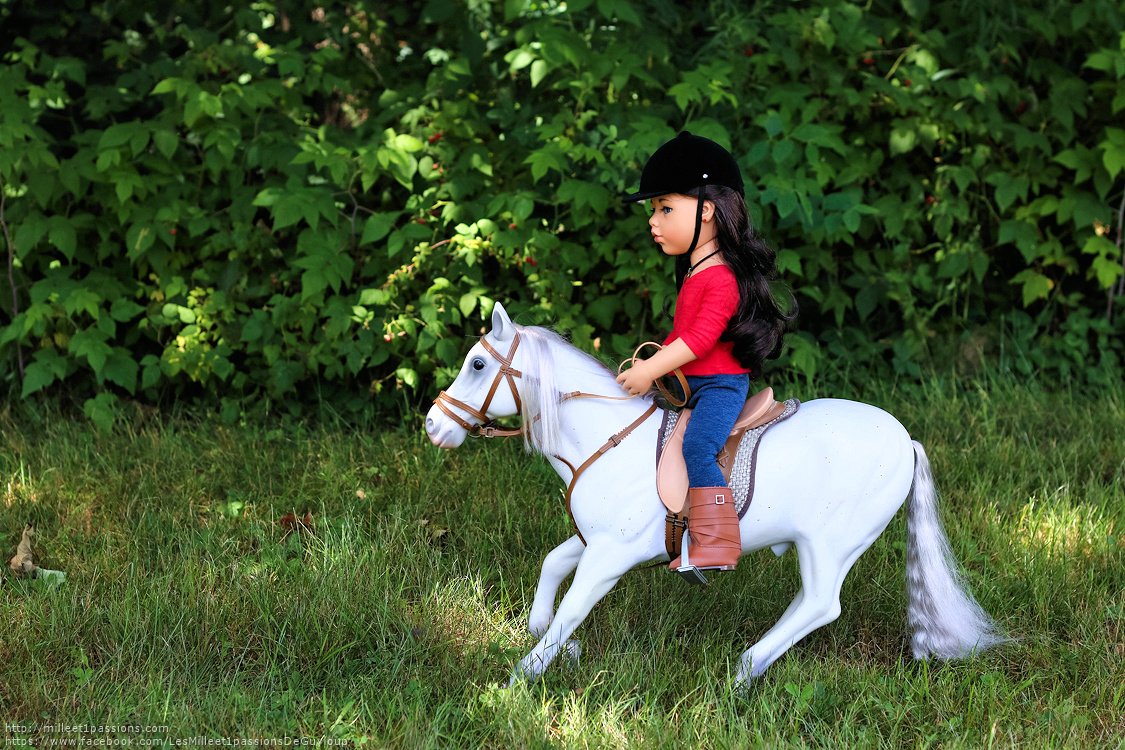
(684, 163)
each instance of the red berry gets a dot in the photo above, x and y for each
(173, 231)
(512, 225)
(421, 221)
(1022, 106)
(531, 261)
(929, 199)
(869, 61)
(435, 137)
(749, 52)
(906, 82)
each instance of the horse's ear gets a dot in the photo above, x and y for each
(502, 327)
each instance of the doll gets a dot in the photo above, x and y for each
(726, 324)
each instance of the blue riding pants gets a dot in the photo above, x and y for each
(716, 401)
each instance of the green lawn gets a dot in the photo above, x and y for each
(396, 620)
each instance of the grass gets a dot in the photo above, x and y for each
(395, 621)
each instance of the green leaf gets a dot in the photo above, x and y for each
(122, 369)
(138, 239)
(152, 373)
(167, 86)
(62, 236)
(117, 135)
(773, 125)
(867, 299)
(1098, 245)
(1034, 285)
(100, 410)
(902, 140)
(123, 310)
(166, 142)
(782, 150)
(82, 299)
(48, 367)
(1009, 189)
(378, 226)
(407, 376)
(1106, 271)
(1113, 158)
(916, 8)
(90, 343)
(468, 302)
(288, 211)
(30, 233)
(539, 70)
(519, 59)
(1024, 234)
(542, 160)
(513, 9)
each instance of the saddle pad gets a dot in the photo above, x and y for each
(745, 460)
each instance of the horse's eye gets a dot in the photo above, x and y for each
(478, 364)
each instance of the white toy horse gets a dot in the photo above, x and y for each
(829, 480)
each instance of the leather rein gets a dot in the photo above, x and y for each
(488, 428)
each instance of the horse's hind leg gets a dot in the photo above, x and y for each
(816, 604)
(559, 563)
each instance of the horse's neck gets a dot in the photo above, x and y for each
(586, 421)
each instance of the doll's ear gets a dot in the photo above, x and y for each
(502, 327)
(708, 210)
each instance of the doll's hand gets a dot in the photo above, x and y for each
(636, 380)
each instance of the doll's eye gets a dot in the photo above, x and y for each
(478, 364)
(666, 210)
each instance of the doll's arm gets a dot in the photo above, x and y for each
(638, 378)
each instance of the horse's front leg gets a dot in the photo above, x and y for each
(598, 570)
(559, 563)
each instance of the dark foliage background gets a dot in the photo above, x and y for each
(293, 203)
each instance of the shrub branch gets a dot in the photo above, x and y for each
(11, 274)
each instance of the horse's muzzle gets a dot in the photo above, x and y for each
(443, 431)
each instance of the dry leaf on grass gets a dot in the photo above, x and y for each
(291, 522)
(24, 562)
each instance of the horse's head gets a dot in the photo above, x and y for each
(484, 390)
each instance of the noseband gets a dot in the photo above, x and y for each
(487, 427)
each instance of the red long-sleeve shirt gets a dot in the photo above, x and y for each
(705, 304)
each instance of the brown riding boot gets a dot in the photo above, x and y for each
(713, 522)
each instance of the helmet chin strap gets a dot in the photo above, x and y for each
(698, 218)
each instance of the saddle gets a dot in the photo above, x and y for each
(671, 471)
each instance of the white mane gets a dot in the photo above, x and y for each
(541, 392)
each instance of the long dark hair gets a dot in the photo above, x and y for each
(758, 326)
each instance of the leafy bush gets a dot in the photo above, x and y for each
(274, 206)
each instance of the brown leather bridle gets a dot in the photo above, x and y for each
(487, 427)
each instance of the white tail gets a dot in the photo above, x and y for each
(945, 619)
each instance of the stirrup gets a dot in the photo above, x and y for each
(691, 573)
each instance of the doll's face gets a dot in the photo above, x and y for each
(673, 222)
